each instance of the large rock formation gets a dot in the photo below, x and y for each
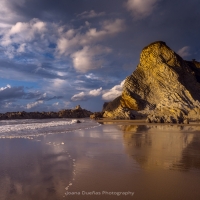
(162, 86)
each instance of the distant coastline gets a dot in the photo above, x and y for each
(77, 112)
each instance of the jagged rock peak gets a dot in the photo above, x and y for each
(78, 107)
(162, 82)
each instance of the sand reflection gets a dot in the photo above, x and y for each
(166, 147)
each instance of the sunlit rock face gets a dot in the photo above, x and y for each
(162, 82)
(163, 147)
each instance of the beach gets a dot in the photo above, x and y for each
(106, 160)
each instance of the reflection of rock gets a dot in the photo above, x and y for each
(179, 119)
(131, 129)
(168, 147)
(190, 156)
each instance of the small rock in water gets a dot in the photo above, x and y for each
(78, 121)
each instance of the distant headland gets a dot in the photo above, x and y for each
(77, 112)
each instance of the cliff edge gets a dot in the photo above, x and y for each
(163, 87)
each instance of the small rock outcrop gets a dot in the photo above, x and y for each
(97, 115)
(120, 113)
(163, 87)
(77, 112)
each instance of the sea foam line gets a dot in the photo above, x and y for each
(18, 131)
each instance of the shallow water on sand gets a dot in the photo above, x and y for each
(153, 162)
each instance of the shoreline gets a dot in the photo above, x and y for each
(140, 122)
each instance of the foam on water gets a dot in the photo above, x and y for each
(30, 128)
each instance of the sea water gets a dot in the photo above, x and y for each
(69, 160)
(31, 128)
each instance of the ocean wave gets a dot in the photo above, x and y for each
(35, 128)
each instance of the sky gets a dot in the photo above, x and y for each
(56, 54)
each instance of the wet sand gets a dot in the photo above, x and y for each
(151, 161)
(141, 122)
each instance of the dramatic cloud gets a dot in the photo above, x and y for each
(34, 104)
(83, 96)
(7, 16)
(11, 96)
(184, 52)
(56, 104)
(46, 97)
(82, 47)
(108, 95)
(96, 92)
(113, 92)
(4, 88)
(91, 76)
(89, 58)
(24, 32)
(9, 92)
(90, 14)
(141, 8)
(72, 40)
(24, 37)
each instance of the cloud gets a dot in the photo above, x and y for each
(45, 97)
(30, 43)
(72, 40)
(96, 92)
(23, 32)
(26, 70)
(90, 14)
(5, 25)
(83, 48)
(113, 27)
(55, 104)
(31, 95)
(7, 15)
(113, 92)
(9, 92)
(34, 104)
(58, 86)
(21, 48)
(89, 58)
(31, 39)
(184, 51)
(141, 8)
(91, 76)
(108, 95)
(83, 96)
(4, 88)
